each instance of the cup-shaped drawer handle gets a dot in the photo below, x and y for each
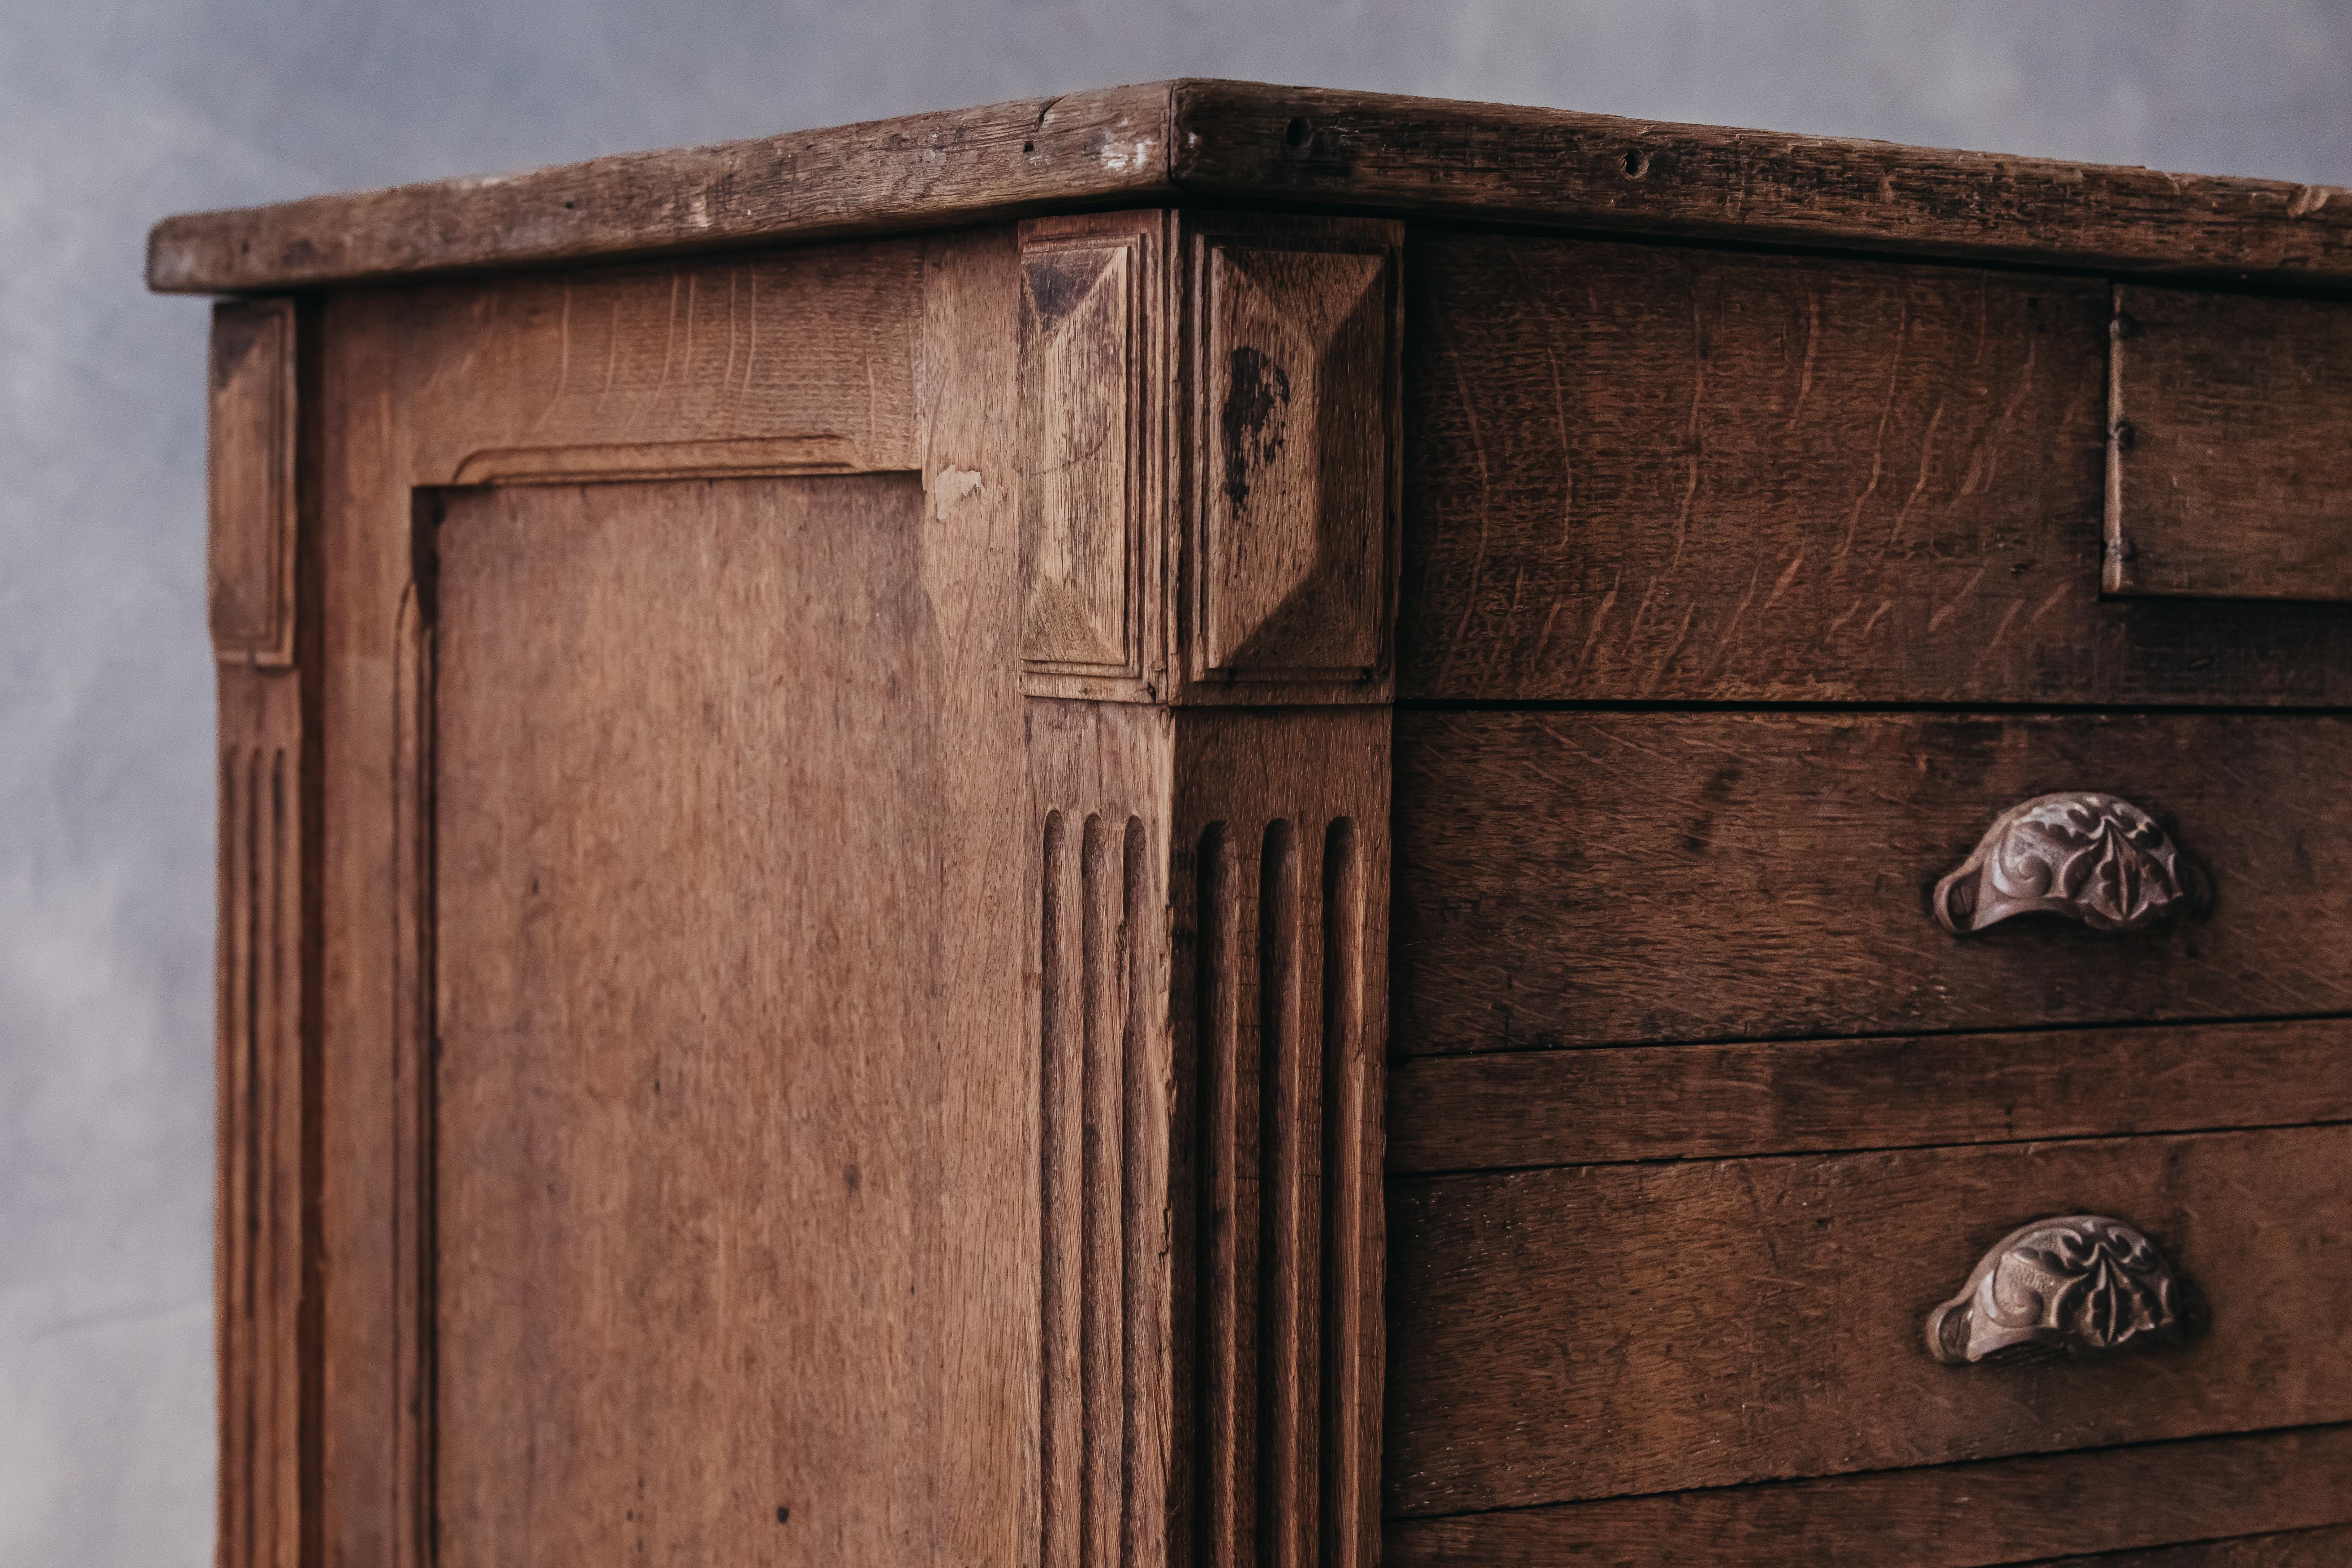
(2082, 1284)
(2095, 858)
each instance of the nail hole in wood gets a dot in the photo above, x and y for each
(1298, 133)
(1637, 162)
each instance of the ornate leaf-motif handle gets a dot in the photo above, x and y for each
(2095, 857)
(2082, 1284)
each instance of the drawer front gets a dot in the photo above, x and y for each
(1574, 879)
(2231, 472)
(1522, 1109)
(1637, 471)
(2294, 1488)
(1603, 1330)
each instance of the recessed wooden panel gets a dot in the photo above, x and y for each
(1296, 487)
(250, 422)
(1090, 533)
(1639, 472)
(1293, 455)
(1573, 878)
(908, 348)
(1954, 1516)
(1597, 1331)
(686, 1221)
(2230, 473)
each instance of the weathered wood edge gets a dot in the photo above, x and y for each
(923, 171)
(1498, 164)
(1297, 146)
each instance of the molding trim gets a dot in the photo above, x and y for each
(1210, 458)
(1208, 908)
(249, 467)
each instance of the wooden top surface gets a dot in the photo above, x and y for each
(1298, 147)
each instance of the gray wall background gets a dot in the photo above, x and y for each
(113, 112)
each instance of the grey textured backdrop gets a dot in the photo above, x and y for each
(113, 112)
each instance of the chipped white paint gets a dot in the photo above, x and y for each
(2309, 199)
(1118, 158)
(952, 485)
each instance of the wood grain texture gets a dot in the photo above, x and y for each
(252, 418)
(368, 857)
(1959, 1516)
(1295, 146)
(2322, 1548)
(1642, 472)
(413, 383)
(1598, 1331)
(1093, 369)
(983, 1348)
(928, 171)
(776, 364)
(1431, 157)
(1559, 1108)
(265, 1245)
(678, 1169)
(1291, 458)
(1595, 877)
(2227, 474)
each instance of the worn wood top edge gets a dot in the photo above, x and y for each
(881, 176)
(1308, 146)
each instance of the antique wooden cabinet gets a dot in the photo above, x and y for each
(1224, 825)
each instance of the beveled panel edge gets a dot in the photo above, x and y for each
(1123, 404)
(1248, 413)
(250, 423)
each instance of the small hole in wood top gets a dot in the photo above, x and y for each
(1028, 146)
(1637, 162)
(1298, 133)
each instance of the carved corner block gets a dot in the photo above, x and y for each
(1210, 424)
(1092, 327)
(250, 471)
(1290, 537)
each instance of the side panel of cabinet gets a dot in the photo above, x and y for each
(675, 1121)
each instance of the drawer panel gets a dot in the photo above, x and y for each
(1593, 1331)
(1590, 877)
(1639, 471)
(1961, 1516)
(2327, 1548)
(1519, 1109)
(2231, 474)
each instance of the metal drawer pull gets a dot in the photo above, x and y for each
(2098, 858)
(2082, 1284)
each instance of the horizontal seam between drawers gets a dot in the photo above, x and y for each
(1999, 710)
(2246, 1435)
(2219, 1021)
(1455, 1171)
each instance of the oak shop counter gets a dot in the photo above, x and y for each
(1233, 824)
